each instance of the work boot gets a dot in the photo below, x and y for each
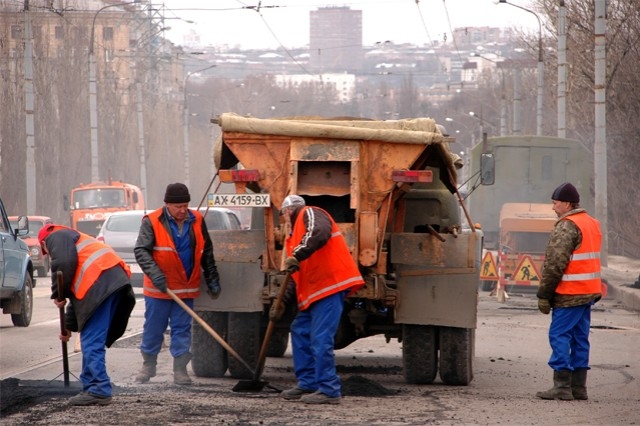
(86, 398)
(561, 387)
(180, 375)
(579, 384)
(148, 368)
(294, 393)
(320, 398)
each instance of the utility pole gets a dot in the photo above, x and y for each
(600, 147)
(30, 166)
(562, 70)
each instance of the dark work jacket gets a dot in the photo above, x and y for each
(64, 257)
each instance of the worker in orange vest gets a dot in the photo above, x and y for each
(96, 282)
(324, 272)
(570, 285)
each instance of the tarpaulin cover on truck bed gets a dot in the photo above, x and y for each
(418, 130)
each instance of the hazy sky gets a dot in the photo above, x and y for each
(286, 22)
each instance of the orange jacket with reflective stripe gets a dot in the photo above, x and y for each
(582, 275)
(328, 270)
(168, 260)
(94, 257)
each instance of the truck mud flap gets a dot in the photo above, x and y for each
(237, 255)
(437, 281)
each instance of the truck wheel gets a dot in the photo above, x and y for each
(278, 343)
(209, 358)
(23, 319)
(456, 355)
(419, 353)
(244, 336)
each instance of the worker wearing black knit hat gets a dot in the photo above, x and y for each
(173, 247)
(570, 285)
(566, 192)
(177, 193)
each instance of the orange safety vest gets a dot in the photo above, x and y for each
(582, 275)
(329, 270)
(167, 258)
(94, 258)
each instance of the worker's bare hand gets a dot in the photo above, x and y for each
(65, 337)
(60, 303)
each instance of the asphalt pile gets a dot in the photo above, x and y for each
(361, 386)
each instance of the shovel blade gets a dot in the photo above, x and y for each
(253, 386)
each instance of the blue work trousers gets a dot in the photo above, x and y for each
(569, 337)
(312, 338)
(94, 375)
(160, 313)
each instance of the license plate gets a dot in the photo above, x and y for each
(239, 200)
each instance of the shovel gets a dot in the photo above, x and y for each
(256, 384)
(208, 328)
(63, 331)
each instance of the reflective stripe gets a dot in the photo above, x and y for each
(162, 248)
(95, 255)
(154, 289)
(585, 256)
(83, 244)
(328, 290)
(581, 277)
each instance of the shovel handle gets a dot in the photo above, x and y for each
(63, 331)
(210, 330)
(267, 335)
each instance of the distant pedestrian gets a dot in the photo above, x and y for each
(324, 272)
(173, 246)
(570, 285)
(96, 282)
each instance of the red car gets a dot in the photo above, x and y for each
(41, 263)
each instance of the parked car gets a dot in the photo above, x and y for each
(16, 270)
(220, 219)
(41, 261)
(120, 232)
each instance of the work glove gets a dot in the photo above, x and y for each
(213, 288)
(276, 313)
(160, 283)
(291, 264)
(544, 306)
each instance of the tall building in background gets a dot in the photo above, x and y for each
(335, 39)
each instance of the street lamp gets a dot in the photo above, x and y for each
(540, 67)
(185, 123)
(503, 99)
(93, 95)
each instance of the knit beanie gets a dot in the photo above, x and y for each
(177, 193)
(566, 192)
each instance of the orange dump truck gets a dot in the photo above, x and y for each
(92, 203)
(391, 187)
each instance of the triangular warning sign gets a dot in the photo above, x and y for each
(526, 270)
(488, 270)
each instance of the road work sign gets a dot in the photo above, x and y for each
(526, 270)
(489, 270)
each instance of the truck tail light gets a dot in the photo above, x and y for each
(412, 176)
(230, 176)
